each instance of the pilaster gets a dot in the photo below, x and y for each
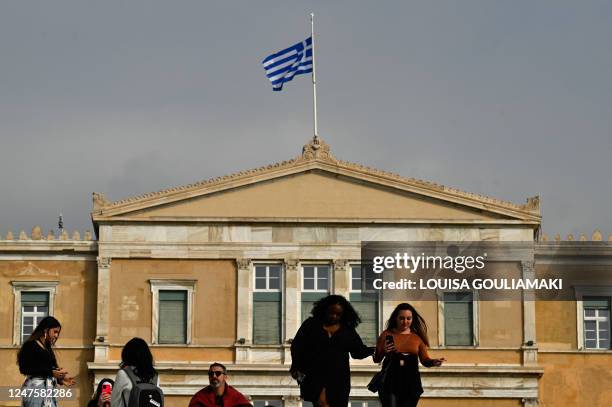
(292, 297)
(244, 315)
(529, 347)
(103, 310)
(342, 278)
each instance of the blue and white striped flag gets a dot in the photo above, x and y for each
(282, 66)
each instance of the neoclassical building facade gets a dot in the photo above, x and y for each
(226, 270)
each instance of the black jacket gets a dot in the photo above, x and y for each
(325, 360)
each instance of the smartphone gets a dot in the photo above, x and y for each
(389, 339)
(107, 388)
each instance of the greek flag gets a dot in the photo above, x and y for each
(282, 66)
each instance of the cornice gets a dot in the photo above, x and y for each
(46, 246)
(581, 249)
(316, 155)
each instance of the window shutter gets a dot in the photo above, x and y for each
(266, 318)
(308, 300)
(458, 319)
(368, 311)
(172, 316)
(306, 308)
(367, 308)
(596, 303)
(31, 298)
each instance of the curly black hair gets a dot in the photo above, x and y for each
(350, 317)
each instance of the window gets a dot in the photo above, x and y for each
(596, 322)
(365, 300)
(267, 304)
(459, 318)
(315, 285)
(172, 311)
(34, 307)
(34, 300)
(593, 312)
(362, 279)
(172, 316)
(316, 278)
(268, 402)
(268, 278)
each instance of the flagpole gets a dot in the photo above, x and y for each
(314, 77)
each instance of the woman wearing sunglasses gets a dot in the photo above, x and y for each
(320, 352)
(137, 357)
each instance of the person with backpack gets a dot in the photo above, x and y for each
(137, 382)
(218, 393)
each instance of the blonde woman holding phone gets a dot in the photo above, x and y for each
(402, 345)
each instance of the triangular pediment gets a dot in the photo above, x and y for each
(316, 187)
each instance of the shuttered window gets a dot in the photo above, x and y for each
(172, 316)
(267, 305)
(267, 318)
(458, 319)
(34, 307)
(315, 285)
(365, 301)
(368, 311)
(596, 322)
(308, 300)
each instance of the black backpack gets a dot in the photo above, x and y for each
(144, 394)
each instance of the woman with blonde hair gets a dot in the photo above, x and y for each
(402, 345)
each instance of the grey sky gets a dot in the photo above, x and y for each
(505, 98)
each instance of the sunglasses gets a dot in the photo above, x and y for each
(215, 373)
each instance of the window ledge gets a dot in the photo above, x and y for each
(579, 351)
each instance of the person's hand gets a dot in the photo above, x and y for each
(105, 399)
(59, 373)
(390, 347)
(68, 381)
(437, 362)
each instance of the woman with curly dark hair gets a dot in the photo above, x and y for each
(402, 345)
(320, 350)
